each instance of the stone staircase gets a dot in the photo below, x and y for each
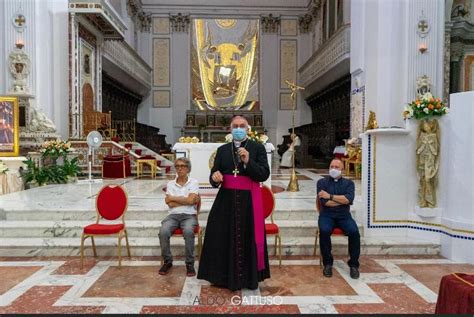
(28, 233)
(141, 150)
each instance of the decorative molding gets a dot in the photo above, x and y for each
(314, 8)
(305, 22)
(423, 86)
(270, 24)
(332, 53)
(126, 58)
(161, 25)
(180, 22)
(286, 103)
(288, 62)
(19, 64)
(423, 26)
(102, 15)
(161, 62)
(141, 19)
(289, 27)
(161, 99)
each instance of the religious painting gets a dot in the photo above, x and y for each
(9, 127)
(224, 60)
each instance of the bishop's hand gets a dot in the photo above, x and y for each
(243, 154)
(217, 177)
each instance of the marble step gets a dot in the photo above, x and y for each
(71, 229)
(144, 215)
(150, 246)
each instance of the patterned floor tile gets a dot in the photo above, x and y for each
(302, 280)
(431, 274)
(398, 298)
(138, 281)
(11, 276)
(40, 300)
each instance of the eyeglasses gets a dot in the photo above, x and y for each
(180, 166)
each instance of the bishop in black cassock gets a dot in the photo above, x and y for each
(229, 254)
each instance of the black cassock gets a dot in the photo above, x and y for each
(229, 253)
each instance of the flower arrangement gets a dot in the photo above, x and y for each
(252, 134)
(424, 108)
(55, 149)
(3, 168)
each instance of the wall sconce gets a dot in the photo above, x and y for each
(19, 44)
(423, 48)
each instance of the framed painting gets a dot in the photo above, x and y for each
(9, 126)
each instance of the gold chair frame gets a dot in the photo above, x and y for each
(120, 235)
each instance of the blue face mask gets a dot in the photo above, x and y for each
(238, 134)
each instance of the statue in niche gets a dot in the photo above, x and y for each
(427, 162)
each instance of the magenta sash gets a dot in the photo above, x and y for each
(246, 183)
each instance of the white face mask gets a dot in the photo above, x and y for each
(334, 173)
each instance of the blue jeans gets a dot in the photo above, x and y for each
(187, 223)
(328, 220)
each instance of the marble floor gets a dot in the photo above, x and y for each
(388, 284)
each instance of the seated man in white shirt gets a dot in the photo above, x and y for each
(182, 194)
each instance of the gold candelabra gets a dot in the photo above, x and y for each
(293, 184)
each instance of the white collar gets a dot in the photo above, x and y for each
(187, 181)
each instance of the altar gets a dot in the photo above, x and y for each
(202, 156)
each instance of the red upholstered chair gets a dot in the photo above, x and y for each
(336, 231)
(272, 228)
(111, 204)
(116, 166)
(197, 231)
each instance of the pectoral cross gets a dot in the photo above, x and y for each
(235, 171)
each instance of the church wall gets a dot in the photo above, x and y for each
(45, 40)
(171, 119)
(385, 64)
(456, 186)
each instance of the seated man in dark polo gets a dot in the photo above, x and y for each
(335, 195)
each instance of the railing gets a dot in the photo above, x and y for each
(329, 55)
(125, 57)
(125, 130)
(99, 121)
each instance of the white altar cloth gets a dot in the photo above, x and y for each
(200, 153)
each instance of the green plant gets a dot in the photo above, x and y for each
(53, 173)
(71, 168)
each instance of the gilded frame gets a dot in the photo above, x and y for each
(9, 118)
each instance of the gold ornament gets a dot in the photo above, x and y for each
(372, 123)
